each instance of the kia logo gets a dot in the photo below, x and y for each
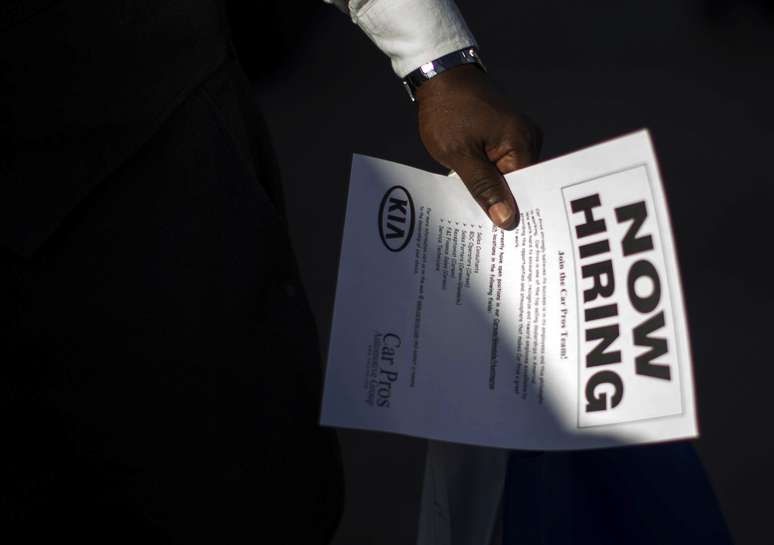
(396, 218)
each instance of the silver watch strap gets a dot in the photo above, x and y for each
(413, 80)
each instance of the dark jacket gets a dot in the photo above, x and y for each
(82, 85)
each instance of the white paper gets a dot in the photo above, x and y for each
(448, 328)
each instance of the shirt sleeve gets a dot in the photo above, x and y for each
(410, 32)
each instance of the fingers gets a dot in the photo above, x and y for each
(508, 162)
(488, 187)
(519, 148)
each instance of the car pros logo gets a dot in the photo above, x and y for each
(396, 218)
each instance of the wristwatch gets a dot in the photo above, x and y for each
(414, 79)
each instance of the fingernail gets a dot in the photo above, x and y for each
(501, 214)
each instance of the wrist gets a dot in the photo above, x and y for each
(458, 79)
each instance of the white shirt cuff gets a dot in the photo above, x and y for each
(412, 32)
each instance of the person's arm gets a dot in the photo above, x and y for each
(464, 122)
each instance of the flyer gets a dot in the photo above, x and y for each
(568, 332)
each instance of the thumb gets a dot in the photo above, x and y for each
(488, 187)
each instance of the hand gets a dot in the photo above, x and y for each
(467, 126)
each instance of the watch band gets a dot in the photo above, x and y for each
(414, 79)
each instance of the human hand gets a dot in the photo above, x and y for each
(467, 126)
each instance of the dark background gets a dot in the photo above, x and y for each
(698, 74)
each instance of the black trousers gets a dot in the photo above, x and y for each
(160, 368)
